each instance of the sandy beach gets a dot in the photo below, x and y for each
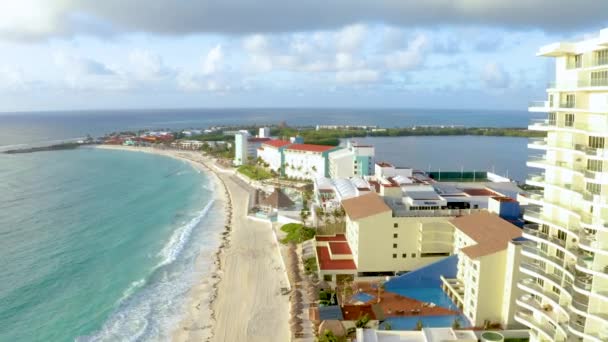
(245, 296)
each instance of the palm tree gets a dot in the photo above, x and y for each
(419, 325)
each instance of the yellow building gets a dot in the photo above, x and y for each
(488, 251)
(566, 268)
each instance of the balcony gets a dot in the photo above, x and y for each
(541, 125)
(577, 327)
(538, 106)
(535, 253)
(586, 265)
(527, 318)
(530, 286)
(590, 243)
(536, 179)
(534, 269)
(574, 84)
(545, 310)
(544, 163)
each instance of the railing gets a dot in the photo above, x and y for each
(546, 237)
(529, 320)
(598, 82)
(588, 265)
(533, 267)
(400, 212)
(541, 104)
(567, 105)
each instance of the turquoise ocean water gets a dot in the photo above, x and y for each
(99, 245)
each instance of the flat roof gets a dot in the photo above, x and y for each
(491, 233)
(276, 143)
(337, 237)
(326, 263)
(341, 248)
(310, 148)
(364, 206)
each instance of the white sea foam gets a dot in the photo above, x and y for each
(152, 307)
(179, 238)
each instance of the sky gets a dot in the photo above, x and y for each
(132, 54)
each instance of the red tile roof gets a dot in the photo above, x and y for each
(276, 143)
(258, 139)
(337, 237)
(326, 263)
(310, 147)
(340, 248)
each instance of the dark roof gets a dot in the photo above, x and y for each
(277, 199)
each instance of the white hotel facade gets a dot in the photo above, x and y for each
(566, 266)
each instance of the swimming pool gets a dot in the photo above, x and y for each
(362, 297)
(409, 323)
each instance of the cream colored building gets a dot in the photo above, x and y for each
(488, 252)
(566, 267)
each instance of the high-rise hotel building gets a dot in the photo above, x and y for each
(566, 265)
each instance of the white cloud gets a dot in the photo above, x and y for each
(145, 65)
(213, 61)
(358, 76)
(39, 19)
(494, 76)
(409, 58)
(12, 79)
(350, 38)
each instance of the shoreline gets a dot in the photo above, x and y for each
(244, 284)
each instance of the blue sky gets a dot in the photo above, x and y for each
(68, 54)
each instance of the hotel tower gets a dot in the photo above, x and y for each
(565, 263)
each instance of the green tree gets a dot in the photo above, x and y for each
(362, 321)
(419, 325)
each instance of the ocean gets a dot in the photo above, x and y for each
(101, 245)
(17, 129)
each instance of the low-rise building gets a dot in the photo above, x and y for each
(488, 250)
(246, 147)
(271, 152)
(264, 132)
(306, 161)
(354, 160)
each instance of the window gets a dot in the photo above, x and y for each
(551, 102)
(594, 165)
(413, 255)
(544, 247)
(327, 277)
(599, 78)
(395, 235)
(569, 120)
(404, 255)
(601, 57)
(472, 303)
(594, 188)
(552, 117)
(540, 282)
(556, 289)
(475, 267)
(394, 256)
(560, 254)
(575, 61)
(395, 225)
(544, 229)
(394, 245)
(561, 235)
(570, 101)
(596, 142)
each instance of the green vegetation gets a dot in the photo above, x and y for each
(362, 321)
(332, 136)
(310, 265)
(297, 233)
(328, 336)
(254, 172)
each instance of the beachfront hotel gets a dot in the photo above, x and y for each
(356, 160)
(246, 147)
(295, 159)
(566, 267)
(488, 250)
(398, 223)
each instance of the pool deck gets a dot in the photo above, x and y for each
(395, 305)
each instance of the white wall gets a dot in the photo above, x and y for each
(304, 164)
(270, 155)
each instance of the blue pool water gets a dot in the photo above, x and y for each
(409, 323)
(363, 297)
